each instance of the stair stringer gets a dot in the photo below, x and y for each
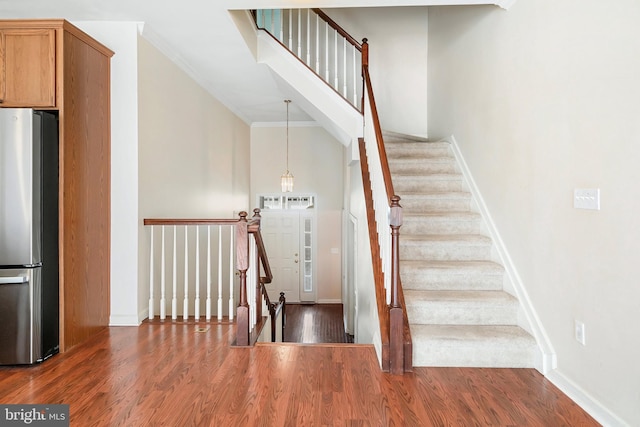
(528, 319)
(316, 98)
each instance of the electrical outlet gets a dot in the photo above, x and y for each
(579, 332)
(586, 198)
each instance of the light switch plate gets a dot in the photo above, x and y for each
(586, 198)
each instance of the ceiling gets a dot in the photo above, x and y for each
(196, 35)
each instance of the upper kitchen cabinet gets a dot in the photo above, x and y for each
(28, 67)
(53, 65)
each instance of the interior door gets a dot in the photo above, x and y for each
(281, 234)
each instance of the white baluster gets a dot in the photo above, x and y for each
(163, 308)
(317, 43)
(185, 303)
(300, 33)
(344, 67)
(290, 29)
(271, 28)
(197, 301)
(232, 304)
(151, 302)
(220, 272)
(174, 298)
(208, 303)
(281, 25)
(355, 77)
(335, 60)
(308, 38)
(326, 51)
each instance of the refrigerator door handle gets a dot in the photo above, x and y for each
(13, 280)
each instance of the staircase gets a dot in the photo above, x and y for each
(458, 312)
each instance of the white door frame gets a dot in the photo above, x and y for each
(303, 215)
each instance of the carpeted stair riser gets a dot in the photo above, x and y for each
(452, 275)
(417, 166)
(442, 223)
(461, 248)
(472, 346)
(417, 150)
(435, 202)
(461, 307)
(428, 183)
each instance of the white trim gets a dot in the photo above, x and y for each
(547, 358)
(587, 402)
(505, 4)
(122, 320)
(329, 301)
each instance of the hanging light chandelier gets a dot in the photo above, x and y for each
(286, 180)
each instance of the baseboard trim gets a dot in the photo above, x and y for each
(330, 301)
(587, 402)
(547, 360)
(124, 320)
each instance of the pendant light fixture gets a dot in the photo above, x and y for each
(286, 180)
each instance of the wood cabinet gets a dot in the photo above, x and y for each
(27, 67)
(51, 64)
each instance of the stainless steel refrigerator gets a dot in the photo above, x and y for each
(29, 287)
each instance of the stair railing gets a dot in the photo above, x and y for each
(337, 58)
(173, 241)
(321, 44)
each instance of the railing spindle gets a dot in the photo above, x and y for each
(207, 315)
(174, 297)
(326, 51)
(344, 68)
(299, 33)
(185, 303)
(151, 284)
(355, 77)
(219, 273)
(196, 304)
(335, 61)
(231, 293)
(163, 301)
(290, 45)
(317, 44)
(308, 38)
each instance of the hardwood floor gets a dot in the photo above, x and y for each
(315, 323)
(187, 375)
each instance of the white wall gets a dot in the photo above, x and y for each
(193, 152)
(121, 37)
(316, 162)
(543, 99)
(367, 320)
(397, 59)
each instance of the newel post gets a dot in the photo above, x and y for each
(365, 63)
(242, 264)
(396, 315)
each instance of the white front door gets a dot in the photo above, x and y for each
(281, 234)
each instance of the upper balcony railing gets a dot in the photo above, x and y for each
(321, 44)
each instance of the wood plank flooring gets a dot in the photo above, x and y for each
(315, 323)
(186, 375)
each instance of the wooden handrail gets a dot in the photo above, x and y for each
(338, 28)
(169, 221)
(386, 172)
